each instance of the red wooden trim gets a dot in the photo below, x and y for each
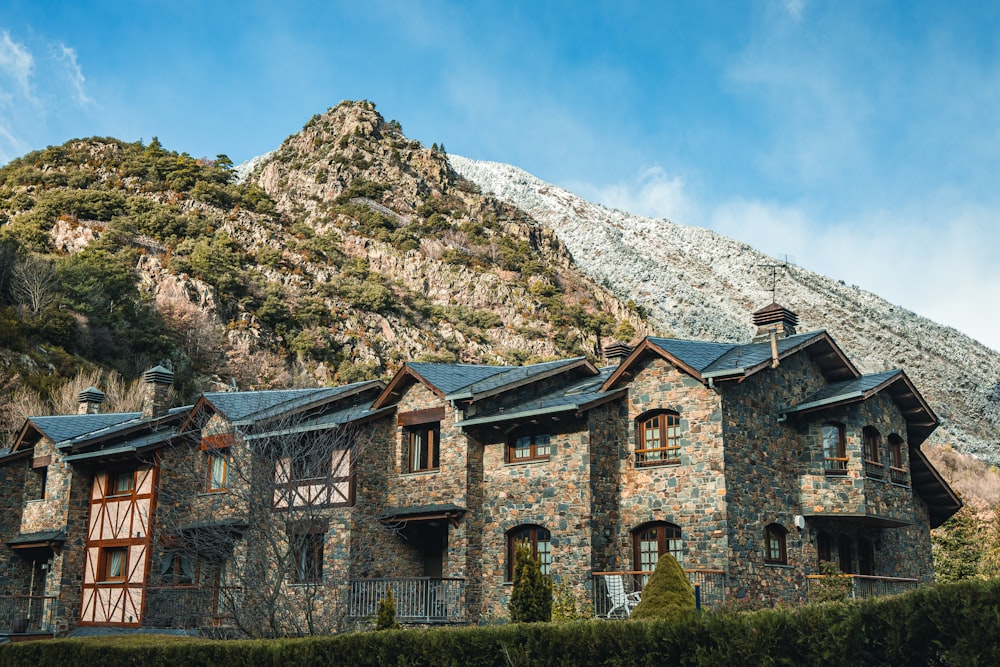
(427, 416)
(41, 461)
(220, 441)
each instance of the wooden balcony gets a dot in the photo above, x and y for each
(711, 587)
(869, 586)
(417, 599)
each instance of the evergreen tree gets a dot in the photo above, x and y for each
(958, 546)
(531, 599)
(386, 619)
(666, 593)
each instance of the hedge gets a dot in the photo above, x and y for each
(954, 624)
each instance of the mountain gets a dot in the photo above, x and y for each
(346, 251)
(698, 284)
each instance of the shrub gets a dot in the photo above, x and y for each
(832, 587)
(531, 599)
(386, 619)
(666, 593)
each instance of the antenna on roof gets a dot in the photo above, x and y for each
(785, 263)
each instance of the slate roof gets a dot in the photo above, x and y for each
(42, 536)
(843, 391)
(750, 355)
(328, 420)
(696, 354)
(511, 375)
(136, 420)
(243, 406)
(574, 396)
(59, 428)
(451, 378)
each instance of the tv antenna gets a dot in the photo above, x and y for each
(785, 264)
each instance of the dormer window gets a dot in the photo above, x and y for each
(834, 449)
(528, 446)
(658, 438)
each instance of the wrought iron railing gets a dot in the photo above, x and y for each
(27, 613)
(869, 586)
(417, 599)
(611, 589)
(186, 607)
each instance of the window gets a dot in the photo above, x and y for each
(651, 541)
(896, 469)
(121, 483)
(218, 469)
(113, 564)
(307, 557)
(834, 449)
(422, 447)
(872, 443)
(528, 447)
(38, 473)
(658, 438)
(178, 569)
(774, 545)
(824, 551)
(538, 539)
(314, 464)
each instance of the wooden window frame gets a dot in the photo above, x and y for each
(307, 557)
(871, 448)
(834, 465)
(666, 534)
(104, 564)
(214, 455)
(775, 544)
(533, 535)
(174, 572)
(431, 432)
(534, 448)
(897, 471)
(113, 490)
(667, 449)
(38, 470)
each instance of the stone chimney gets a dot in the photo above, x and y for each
(90, 400)
(776, 319)
(156, 399)
(615, 353)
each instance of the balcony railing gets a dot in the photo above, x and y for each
(874, 469)
(27, 613)
(417, 599)
(868, 586)
(899, 476)
(835, 465)
(711, 584)
(186, 607)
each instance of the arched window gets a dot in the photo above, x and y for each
(658, 438)
(824, 552)
(896, 470)
(537, 538)
(834, 449)
(845, 554)
(872, 442)
(652, 540)
(774, 545)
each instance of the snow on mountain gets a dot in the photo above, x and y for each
(699, 284)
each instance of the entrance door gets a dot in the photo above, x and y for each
(433, 546)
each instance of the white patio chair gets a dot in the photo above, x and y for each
(620, 599)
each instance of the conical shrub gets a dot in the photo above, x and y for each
(667, 592)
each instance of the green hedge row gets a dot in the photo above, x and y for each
(955, 624)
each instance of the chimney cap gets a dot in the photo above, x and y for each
(773, 313)
(158, 375)
(91, 395)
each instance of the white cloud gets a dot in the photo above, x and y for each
(67, 56)
(16, 65)
(795, 8)
(653, 192)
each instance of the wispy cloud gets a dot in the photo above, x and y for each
(795, 8)
(67, 57)
(16, 67)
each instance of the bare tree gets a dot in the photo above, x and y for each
(33, 282)
(263, 520)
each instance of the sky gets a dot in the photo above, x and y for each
(859, 139)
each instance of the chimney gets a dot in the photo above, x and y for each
(156, 398)
(615, 353)
(776, 319)
(90, 400)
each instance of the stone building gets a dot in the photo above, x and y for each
(293, 511)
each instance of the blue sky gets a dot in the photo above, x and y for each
(860, 138)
